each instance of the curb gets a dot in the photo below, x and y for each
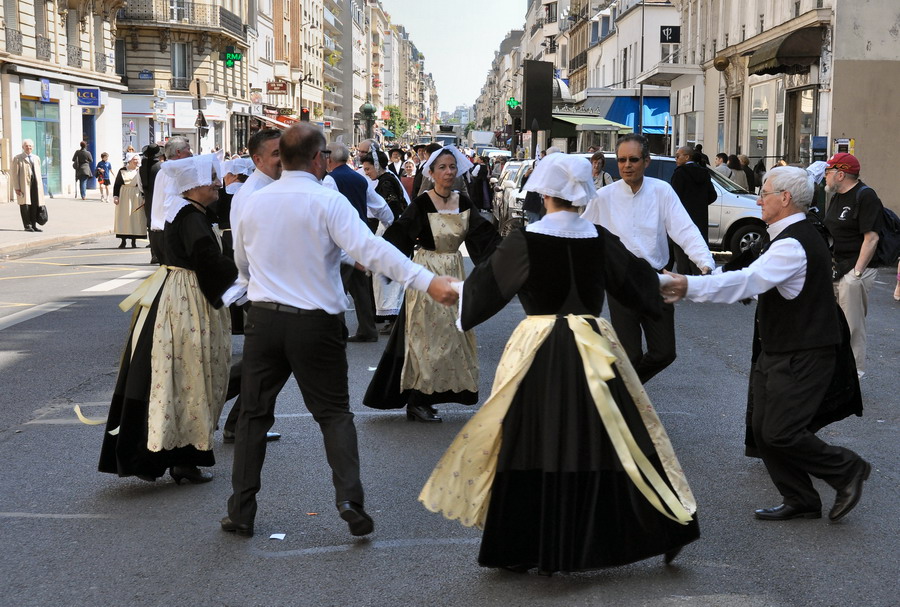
(48, 242)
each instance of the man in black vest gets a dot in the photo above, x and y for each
(799, 333)
(363, 197)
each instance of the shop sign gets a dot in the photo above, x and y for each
(278, 87)
(285, 111)
(88, 96)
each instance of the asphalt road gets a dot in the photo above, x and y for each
(72, 536)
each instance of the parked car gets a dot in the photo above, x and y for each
(508, 196)
(735, 220)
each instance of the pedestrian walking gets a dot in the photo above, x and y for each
(83, 162)
(103, 173)
(694, 187)
(26, 181)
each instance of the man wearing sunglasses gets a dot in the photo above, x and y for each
(644, 212)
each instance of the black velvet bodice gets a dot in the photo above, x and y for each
(563, 277)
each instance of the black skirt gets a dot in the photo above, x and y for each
(561, 500)
(126, 453)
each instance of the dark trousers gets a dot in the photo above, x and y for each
(234, 389)
(359, 285)
(314, 348)
(29, 212)
(683, 264)
(631, 326)
(158, 246)
(787, 391)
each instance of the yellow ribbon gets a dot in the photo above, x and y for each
(85, 420)
(143, 297)
(595, 351)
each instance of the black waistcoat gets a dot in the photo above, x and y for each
(810, 319)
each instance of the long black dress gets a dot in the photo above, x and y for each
(198, 276)
(538, 467)
(413, 232)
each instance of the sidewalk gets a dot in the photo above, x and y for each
(70, 220)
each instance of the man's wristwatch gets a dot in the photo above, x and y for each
(857, 273)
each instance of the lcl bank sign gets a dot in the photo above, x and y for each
(89, 97)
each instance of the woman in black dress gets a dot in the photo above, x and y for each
(566, 467)
(174, 371)
(427, 361)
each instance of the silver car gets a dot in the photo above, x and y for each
(508, 196)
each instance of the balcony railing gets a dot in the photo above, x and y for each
(180, 84)
(13, 41)
(73, 55)
(187, 13)
(333, 70)
(334, 98)
(100, 63)
(578, 61)
(44, 49)
(538, 24)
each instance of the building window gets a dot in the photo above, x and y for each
(181, 69)
(120, 57)
(551, 12)
(797, 8)
(669, 53)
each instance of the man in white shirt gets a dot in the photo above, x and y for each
(288, 248)
(263, 148)
(176, 148)
(644, 212)
(799, 332)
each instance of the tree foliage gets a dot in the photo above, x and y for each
(397, 122)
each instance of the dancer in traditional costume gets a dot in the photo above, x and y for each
(427, 361)
(174, 371)
(128, 196)
(566, 467)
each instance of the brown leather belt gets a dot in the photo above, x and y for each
(277, 307)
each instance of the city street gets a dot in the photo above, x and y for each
(70, 535)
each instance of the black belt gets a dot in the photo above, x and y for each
(277, 307)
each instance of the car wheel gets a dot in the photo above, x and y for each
(746, 236)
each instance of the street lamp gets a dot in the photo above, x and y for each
(303, 78)
(367, 111)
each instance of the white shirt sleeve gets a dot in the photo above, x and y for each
(376, 205)
(377, 254)
(330, 183)
(783, 267)
(684, 233)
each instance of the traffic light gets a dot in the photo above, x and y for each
(304, 114)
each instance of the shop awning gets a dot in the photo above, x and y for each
(593, 123)
(272, 123)
(287, 120)
(387, 133)
(790, 54)
(656, 113)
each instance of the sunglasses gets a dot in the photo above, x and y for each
(631, 159)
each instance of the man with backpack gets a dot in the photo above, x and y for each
(853, 216)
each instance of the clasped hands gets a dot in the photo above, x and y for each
(441, 290)
(673, 287)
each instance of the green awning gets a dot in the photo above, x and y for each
(593, 123)
(789, 54)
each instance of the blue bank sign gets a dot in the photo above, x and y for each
(88, 96)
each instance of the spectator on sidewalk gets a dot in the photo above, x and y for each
(103, 174)
(25, 176)
(83, 163)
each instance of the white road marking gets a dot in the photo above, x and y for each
(38, 310)
(37, 515)
(109, 285)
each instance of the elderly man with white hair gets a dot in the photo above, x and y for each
(25, 177)
(799, 334)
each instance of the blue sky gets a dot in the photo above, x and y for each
(458, 39)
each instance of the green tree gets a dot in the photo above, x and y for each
(468, 128)
(397, 122)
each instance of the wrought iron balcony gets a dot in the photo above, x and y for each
(578, 61)
(334, 98)
(13, 41)
(179, 84)
(73, 55)
(43, 48)
(538, 24)
(188, 13)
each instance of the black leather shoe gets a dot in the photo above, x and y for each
(359, 522)
(36, 229)
(420, 413)
(362, 338)
(192, 474)
(669, 556)
(785, 513)
(239, 528)
(849, 496)
(228, 437)
(386, 329)
(29, 229)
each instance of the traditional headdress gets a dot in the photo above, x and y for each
(239, 166)
(463, 164)
(563, 176)
(195, 171)
(131, 156)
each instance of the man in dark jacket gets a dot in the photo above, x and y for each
(148, 170)
(694, 187)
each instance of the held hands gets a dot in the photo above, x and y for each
(442, 291)
(115, 200)
(672, 287)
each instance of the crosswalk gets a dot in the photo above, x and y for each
(111, 285)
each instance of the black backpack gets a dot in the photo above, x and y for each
(888, 250)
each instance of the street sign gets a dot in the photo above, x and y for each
(197, 87)
(160, 117)
(279, 87)
(159, 93)
(160, 106)
(198, 104)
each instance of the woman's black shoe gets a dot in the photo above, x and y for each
(122, 244)
(421, 413)
(192, 474)
(669, 556)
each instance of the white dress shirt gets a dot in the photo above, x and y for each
(376, 206)
(160, 195)
(782, 266)
(289, 247)
(256, 181)
(644, 219)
